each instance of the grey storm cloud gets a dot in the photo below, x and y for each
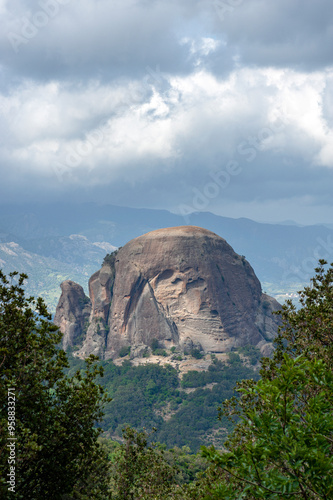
(95, 39)
(293, 33)
(102, 39)
(222, 105)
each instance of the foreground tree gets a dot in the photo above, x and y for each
(283, 445)
(140, 470)
(285, 449)
(56, 453)
(309, 329)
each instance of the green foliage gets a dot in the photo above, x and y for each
(140, 471)
(197, 415)
(156, 349)
(150, 471)
(136, 393)
(188, 464)
(160, 352)
(283, 446)
(308, 330)
(154, 344)
(195, 353)
(234, 358)
(57, 452)
(194, 378)
(177, 358)
(251, 352)
(140, 395)
(124, 351)
(286, 447)
(110, 258)
(218, 372)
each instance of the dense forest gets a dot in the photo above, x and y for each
(142, 395)
(280, 436)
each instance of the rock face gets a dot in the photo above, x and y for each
(100, 291)
(182, 286)
(72, 314)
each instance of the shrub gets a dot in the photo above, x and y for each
(195, 353)
(124, 351)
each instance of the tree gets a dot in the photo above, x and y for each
(308, 330)
(283, 445)
(56, 453)
(283, 450)
(141, 471)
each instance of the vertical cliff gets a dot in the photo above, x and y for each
(72, 314)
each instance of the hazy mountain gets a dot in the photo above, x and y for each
(50, 261)
(283, 256)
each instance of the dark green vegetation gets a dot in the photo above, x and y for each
(156, 350)
(142, 395)
(149, 471)
(56, 450)
(283, 446)
(110, 258)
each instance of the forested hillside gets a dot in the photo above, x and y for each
(183, 411)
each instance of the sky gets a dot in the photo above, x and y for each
(221, 106)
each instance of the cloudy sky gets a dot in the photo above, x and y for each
(225, 106)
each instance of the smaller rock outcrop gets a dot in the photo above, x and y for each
(72, 314)
(100, 291)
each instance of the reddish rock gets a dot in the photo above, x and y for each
(182, 286)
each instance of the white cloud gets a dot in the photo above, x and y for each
(200, 48)
(196, 115)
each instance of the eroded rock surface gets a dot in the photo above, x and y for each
(100, 291)
(184, 286)
(72, 314)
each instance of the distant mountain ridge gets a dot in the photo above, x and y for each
(48, 262)
(283, 256)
